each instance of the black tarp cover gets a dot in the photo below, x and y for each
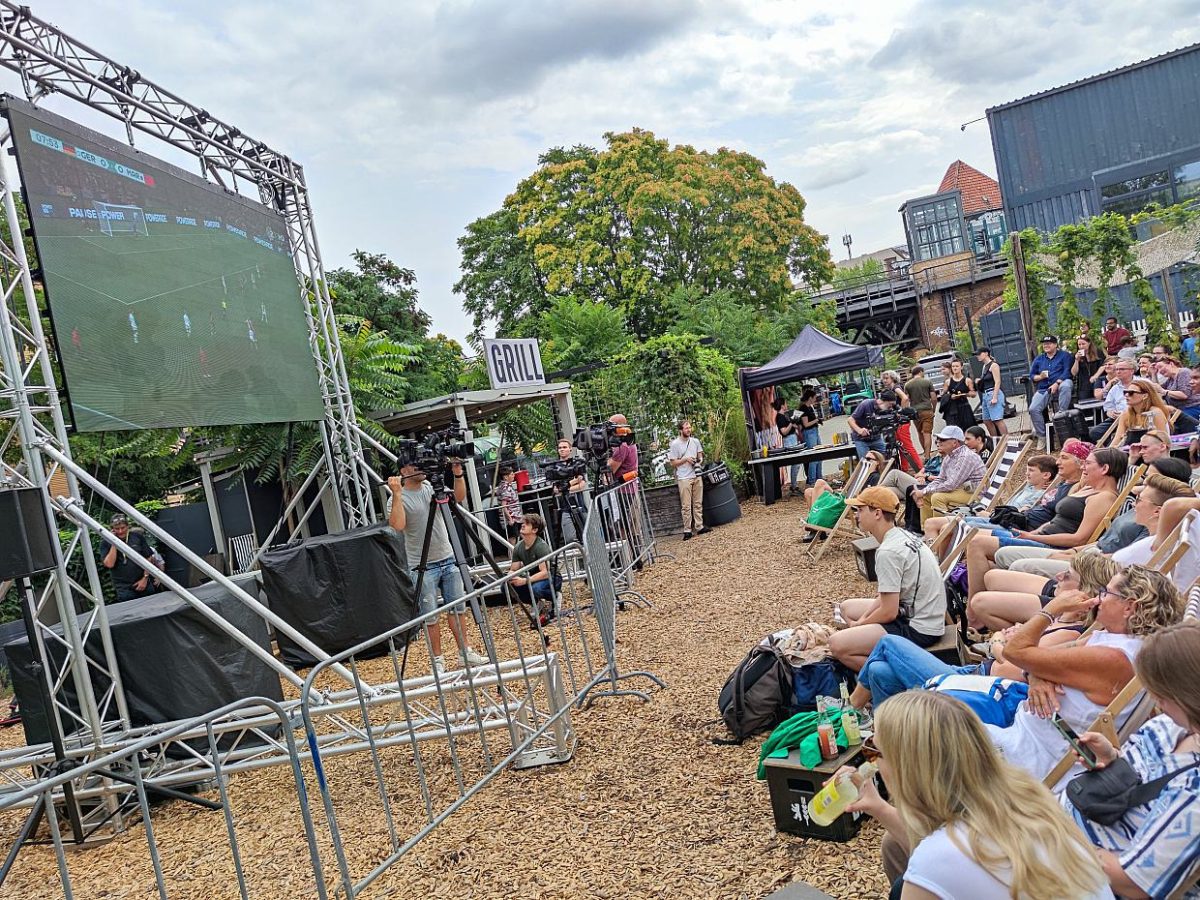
(812, 353)
(174, 663)
(338, 590)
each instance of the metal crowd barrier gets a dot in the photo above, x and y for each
(403, 747)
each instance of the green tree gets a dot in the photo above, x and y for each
(575, 332)
(381, 293)
(626, 225)
(1036, 275)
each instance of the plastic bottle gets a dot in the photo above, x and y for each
(831, 801)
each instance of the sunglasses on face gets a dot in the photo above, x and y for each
(1132, 393)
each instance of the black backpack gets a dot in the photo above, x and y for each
(757, 695)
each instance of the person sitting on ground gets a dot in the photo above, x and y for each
(1154, 848)
(1012, 596)
(535, 588)
(1145, 412)
(966, 823)
(897, 665)
(1078, 681)
(1125, 531)
(1040, 471)
(961, 473)
(1076, 517)
(912, 598)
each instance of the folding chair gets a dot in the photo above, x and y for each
(854, 486)
(952, 647)
(1124, 500)
(1000, 466)
(1133, 703)
(1183, 538)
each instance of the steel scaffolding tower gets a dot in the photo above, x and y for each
(48, 61)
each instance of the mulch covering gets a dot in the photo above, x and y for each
(648, 808)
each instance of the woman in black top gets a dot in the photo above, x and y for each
(1084, 367)
(958, 392)
(991, 395)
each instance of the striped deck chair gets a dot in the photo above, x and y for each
(1002, 463)
(951, 648)
(857, 481)
(1124, 500)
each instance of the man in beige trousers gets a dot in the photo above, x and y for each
(685, 455)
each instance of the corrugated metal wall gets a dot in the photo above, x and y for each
(1047, 148)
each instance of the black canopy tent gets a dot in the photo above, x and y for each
(813, 352)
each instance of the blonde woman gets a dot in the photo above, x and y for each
(978, 827)
(1078, 681)
(1144, 411)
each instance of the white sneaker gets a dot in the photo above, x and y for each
(471, 658)
(439, 666)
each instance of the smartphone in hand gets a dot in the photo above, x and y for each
(1069, 735)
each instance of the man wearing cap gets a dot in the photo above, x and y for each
(129, 579)
(912, 599)
(954, 485)
(1051, 376)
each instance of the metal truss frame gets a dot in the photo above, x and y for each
(83, 722)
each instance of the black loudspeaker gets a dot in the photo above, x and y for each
(864, 556)
(26, 541)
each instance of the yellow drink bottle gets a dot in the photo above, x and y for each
(831, 801)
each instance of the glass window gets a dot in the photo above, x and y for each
(1134, 203)
(937, 228)
(1187, 181)
(1129, 185)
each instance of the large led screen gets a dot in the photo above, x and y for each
(173, 302)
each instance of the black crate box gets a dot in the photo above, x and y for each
(792, 785)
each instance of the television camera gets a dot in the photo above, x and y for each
(432, 454)
(562, 471)
(600, 439)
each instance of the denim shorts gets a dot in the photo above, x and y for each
(442, 576)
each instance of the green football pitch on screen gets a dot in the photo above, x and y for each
(173, 302)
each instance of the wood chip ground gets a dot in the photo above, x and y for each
(649, 807)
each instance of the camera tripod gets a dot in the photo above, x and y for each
(894, 450)
(443, 505)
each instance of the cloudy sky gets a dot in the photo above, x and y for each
(413, 119)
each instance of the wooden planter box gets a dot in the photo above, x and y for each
(663, 503)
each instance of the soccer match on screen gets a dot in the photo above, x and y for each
(174, 304)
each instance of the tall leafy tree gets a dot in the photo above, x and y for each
(381, 293)
(628, 224)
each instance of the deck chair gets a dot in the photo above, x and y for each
(952, 648)
(854, 486)
(1182, 540)
(1002, 463)
(1123, 501)
(1106, 438)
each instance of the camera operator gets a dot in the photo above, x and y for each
(623, 464)
(684, 455)
(409, 509)
(866, 436)
(562, 525)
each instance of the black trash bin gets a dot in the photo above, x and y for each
(720, 501)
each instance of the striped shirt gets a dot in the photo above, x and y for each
(1158, 844)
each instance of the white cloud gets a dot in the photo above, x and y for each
(413, 118)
